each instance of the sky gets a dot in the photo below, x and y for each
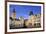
(23, 10)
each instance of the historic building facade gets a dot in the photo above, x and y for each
(14, 22)
(33, 21)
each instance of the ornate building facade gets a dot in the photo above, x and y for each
(14, 22)
(33, 21)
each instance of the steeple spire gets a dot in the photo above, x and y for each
(14, 10)
(14, 13)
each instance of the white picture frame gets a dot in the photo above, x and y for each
(26, 29)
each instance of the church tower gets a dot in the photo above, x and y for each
(14, 14)
(30, 14)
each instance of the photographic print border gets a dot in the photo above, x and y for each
(22, 2)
